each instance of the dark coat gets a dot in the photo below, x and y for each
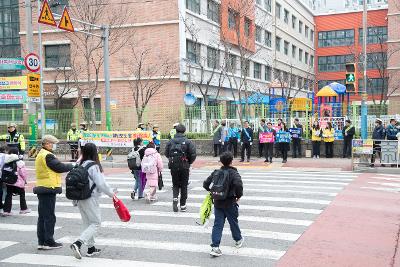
(350, 133)
(243, 136)
(379, 133)
(189, 148)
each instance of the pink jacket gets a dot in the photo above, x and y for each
(152, 179)
(21, 170)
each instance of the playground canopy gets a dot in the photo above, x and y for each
(327, 91)
(255, 99)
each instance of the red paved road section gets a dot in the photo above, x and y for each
(359, 228)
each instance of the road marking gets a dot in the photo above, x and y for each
(275, 199)
(20, 227)
(387, 184)
(387, 179)
(267, 177)
(178, 246)
(253, 207)
(335, 188)
(68, 261)
(384, 174)
(301, 182)
(278, 191)
(386, 189)
(5, 244)
(273, 220)
(198, 229)
(113, 178)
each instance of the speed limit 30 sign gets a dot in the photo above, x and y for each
(32, 62)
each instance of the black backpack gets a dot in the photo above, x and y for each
(9, 173)
(77, 186)
(220, 185)
(177, 156)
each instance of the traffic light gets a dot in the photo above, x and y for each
(350, 77)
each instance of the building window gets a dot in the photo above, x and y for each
(192, 51)
(247, 25)
(193, 5)
(88, 110)
(375, 86)
(259, 34)
(323, 83)
(300, 26)
(376, 61)
(57, 56)
(278, 10)
(375, 35)
(286, 16)
(257, 70)
(286, 47)
(246, 68)
(294, 21)
(213, 11)
(285, 76)
(334, 63)
(300, 82)
(306, 55)
(306, 29)
(212, 58)
(258, 2)
(268, 38)
(293, 80)
(312, 36)
(312, 61)
(278, 41)
(232, 63)
(294, 48)
(268, 5)
(300, 55)
(232, 19)
(277, 74)
(57, 6)
(268, 73)
(9, 31)
(336, 38)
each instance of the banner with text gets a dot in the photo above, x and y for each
(114, 138)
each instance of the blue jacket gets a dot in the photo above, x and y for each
(379, 133)
(391, 132)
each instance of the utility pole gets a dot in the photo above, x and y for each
(42, 113)
(364, 96)
(106, 52)
(32, 108)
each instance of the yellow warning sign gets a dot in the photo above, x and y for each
(33, 80)
(46, 17)
(65, 21)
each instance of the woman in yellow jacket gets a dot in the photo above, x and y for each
(316, 139)
(329, 137)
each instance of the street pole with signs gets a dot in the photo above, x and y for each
(364, 96)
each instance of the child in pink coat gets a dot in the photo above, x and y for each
(152, 178)
(19, 186)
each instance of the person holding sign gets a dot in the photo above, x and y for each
(283, 140)
(296, 134)
(261, 130)
(268, 139)
(316, 139)
(329, 137)
(246, 140)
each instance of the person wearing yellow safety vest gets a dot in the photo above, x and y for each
(172, 133)
(156, 138)
(329, 137)
(73, 137)
(48, 183)
(316, 140)
(14, 139)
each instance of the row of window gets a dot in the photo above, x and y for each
(213, 9)
(375, 35)
(374, 85)
(296, 23)
(338, 63)
(193, 54)
(266, 4)
(308, 59)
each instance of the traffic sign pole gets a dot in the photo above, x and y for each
(42, 111)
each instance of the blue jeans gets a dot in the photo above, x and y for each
(138, 183)
(232, 214)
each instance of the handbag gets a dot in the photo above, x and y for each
(122, 211)
(160, 181)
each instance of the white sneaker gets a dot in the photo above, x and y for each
(239, 244)
(215, 252)
(25, 211)
(317, 157)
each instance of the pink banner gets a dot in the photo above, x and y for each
(267, 138)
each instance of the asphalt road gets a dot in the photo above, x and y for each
(277, 207)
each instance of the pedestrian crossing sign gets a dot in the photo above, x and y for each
(46, 17)
(350, 78)
(65, 22)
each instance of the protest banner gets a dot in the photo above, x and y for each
(266, 137)
(295, 132)
(114, 138)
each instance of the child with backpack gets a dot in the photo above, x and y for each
(14, 175)
(152, 166)
(88, 206)
(135, 158)
(226, 191)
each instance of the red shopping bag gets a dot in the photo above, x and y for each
(122, 210)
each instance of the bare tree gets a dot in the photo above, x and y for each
(89, 47)
(150, 72)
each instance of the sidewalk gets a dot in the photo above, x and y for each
(359, 228)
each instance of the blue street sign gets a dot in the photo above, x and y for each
(12, 64)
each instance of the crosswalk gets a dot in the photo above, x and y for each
(276, 209)
(384, 182)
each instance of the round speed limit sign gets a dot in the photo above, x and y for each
(32, 62)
